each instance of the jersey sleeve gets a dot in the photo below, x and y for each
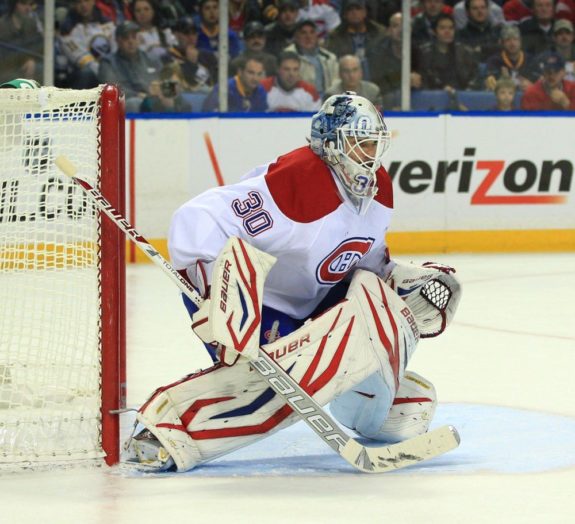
(198, 231)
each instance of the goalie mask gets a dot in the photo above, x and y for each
(349, 134)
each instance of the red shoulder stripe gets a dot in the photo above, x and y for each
(384, 188)
(302, 186)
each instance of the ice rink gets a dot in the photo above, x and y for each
(504, 373)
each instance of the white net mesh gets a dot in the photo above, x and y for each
(49, 279)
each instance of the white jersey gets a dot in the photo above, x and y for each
(303, 97)
(293, 210)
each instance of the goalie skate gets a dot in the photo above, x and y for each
(145, 453)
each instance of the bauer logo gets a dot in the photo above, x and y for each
(488, 181)
(342, 259)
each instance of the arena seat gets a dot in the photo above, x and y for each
(477, 100)
(429, 100)
(196, 100)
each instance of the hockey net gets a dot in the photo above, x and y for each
(61, 279)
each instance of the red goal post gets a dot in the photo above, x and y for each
(62, 279)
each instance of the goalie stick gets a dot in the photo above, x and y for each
(368, 459)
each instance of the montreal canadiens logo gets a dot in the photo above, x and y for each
(342, 259)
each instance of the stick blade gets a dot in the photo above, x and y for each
(406, 453)
(65, 165)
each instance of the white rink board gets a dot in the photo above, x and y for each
(173, 164)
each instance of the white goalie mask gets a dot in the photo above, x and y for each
(349, 134)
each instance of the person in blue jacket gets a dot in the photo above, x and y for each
(245, 93)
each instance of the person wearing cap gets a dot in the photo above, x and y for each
(199, 67)
(279, 34)
(551, 92)
(318, 65)
(563, 44)
(356, 35)
(255, 43)
(209, 29)
(129, 67)
(511, 62)
(245, 93)
(537, 31)
(86, 36)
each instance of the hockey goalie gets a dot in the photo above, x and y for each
(293, 260)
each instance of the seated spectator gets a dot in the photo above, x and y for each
(505, 90)
(245, 93)
(241, 12)
(209, 31)
(552, 92)
(324, 15)
(287, 91)
(166, 93)
(279, 34)
(537, 31)
(318, 65)
(511, 62)
(116, 10)
(351, 79)
(386, 73)
(356, 35)
(445, 63)
(129, 67)
(21, 42)
(495, 14)
(255, 42)
(153, 39)
(515, 11)
(563, 44)
(86, 36)
(423, 22)
(479, 33)
(199, 67)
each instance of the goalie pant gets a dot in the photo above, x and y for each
(372, 333)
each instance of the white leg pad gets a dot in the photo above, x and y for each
(211, 413)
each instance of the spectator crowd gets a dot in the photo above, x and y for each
(289, 55)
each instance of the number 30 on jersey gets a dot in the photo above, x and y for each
(255, 218)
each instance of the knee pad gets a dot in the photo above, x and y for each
(412, 409)
(369, 410)
(364, 407)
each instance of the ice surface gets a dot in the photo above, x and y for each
(504, 375)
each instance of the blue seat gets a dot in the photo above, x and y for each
(196, 100)
(429, 100)
(477, 100)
